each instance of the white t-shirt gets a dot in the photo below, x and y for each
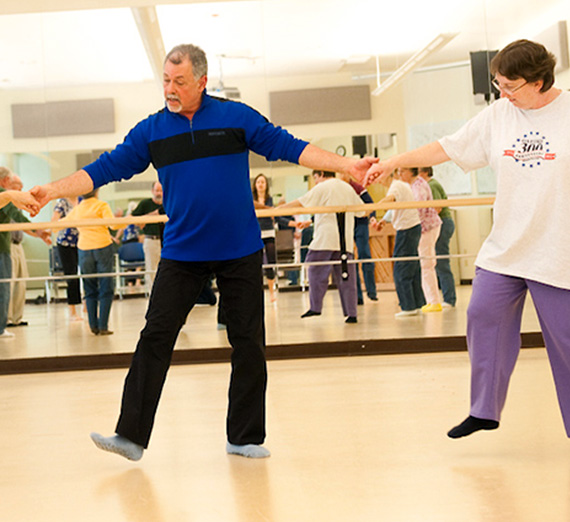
(332, 192)
(405, 218)
(529, 150)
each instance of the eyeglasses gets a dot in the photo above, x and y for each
(506, 90)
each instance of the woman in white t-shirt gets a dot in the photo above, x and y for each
(407, 274)
(525, 138)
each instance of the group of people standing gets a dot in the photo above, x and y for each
(419, 232)
(198, 141)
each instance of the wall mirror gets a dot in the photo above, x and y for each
(77, 76)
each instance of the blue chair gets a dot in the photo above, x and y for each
(129, 258)
(131, 252)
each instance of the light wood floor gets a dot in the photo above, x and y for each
(352, 439)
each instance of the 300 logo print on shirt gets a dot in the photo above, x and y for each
(532, 149)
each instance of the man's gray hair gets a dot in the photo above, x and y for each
(5, 172)
(196, 56)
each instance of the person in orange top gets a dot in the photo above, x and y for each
(96, 256)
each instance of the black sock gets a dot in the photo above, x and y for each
(310, 313)
(471, 425)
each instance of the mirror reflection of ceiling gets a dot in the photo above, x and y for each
(86, 42)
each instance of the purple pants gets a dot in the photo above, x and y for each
(493, 337)
(319, 281)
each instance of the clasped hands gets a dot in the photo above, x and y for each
(370, 170)
(31, 201)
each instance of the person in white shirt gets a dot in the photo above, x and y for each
(406, 221)
(525, 138)
(326, 243)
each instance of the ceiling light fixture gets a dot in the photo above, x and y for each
(415, 61)
(151, 36)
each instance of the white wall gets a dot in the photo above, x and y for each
(436, 103)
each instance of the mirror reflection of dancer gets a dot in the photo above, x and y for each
(66, 244)
(442, 265)
(262, 199)
(525, 138)
(96, 255)
(407, 223)
(327, 241)
(23, 201)
(151, 231)
(195, 143)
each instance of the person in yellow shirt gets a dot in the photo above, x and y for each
(96, 256)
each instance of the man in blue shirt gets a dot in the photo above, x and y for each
(198, 142)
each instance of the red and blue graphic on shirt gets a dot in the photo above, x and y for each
(531, 150)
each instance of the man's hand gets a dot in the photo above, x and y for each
(42, 195)
(361, 167)
(24, 201)
(76, 184)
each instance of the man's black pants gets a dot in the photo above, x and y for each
(175, 291)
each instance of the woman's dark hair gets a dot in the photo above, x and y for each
(528, 60)
(254, 187)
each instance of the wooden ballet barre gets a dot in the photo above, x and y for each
(436, 203)
(265, 212)
(77, 223)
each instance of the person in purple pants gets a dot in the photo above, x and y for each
(327, 243)
(525, 138)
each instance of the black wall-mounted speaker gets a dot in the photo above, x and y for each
(359, 145)
(480, 72)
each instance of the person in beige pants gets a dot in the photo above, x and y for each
(17, 288)
(19, 269)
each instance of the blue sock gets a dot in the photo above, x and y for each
(253, 451)
(119, 445)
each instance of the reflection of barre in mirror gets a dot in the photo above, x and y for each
(141, 220)
(360, 261)
(268, 265)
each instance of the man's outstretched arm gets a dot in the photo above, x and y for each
(313, 157)
(76, 184)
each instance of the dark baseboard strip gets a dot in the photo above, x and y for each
(277, 352)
